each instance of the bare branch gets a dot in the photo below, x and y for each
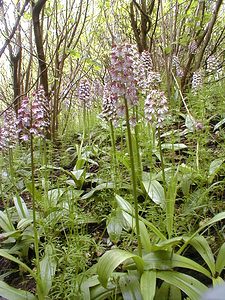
(8, 40)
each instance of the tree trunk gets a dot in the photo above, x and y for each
(38, 36)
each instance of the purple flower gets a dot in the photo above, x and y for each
(8, 132)
(176, 65)
(40, 113)
(156, 108)
(84, 93)
(121, 71)
(33, 117)
(147, 79)
(109, 105)
(197, 81)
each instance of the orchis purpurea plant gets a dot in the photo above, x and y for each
(197, 82)
(8, 132)
(84, 95)
(34, 116)
(124, 90)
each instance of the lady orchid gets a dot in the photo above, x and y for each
(156, 108)
(84, 93)
(8, 133)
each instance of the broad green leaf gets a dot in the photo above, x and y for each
(78, 173)
(167, 244)
(5, 222)
(214, 220)
(14, 234)
(100, 187)
(217, 281)
(130, 287)
(220, 260)
(115, 225)
(148, 285)
(111, 260)
(24, 223)
(145, 239)
(98, 292)
(126, 207)
(86, 285)
(214, 168)
(215, 165)
(202, 246)
(48, 267)
(54, 195)
(174, 147)
(155, 191)
(189, 285)
(8, 256)
(219, 124)
(21, 208)
(168, 292)
(170, 203)
(190, 123)
(166, 260)
(11, 293)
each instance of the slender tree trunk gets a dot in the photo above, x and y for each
(38, 36)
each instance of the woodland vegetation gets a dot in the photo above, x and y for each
(112, 141)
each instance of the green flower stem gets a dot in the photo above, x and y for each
(151, 145)
(84, 121)
(133, 177)
(136, 130)
(36, 240)
(162, 161)
(46, 174)
(113, 152)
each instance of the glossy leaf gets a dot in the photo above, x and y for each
(48, 268)
(111, 260)
(212, 221)
(168, 292)
(21, 208)
(189, 285)
(148, 285)
(220, 123)
(11, 293)
(170, 203)
(167, 244)
(126, 206)
(5, 222)
(8, 256)
(155, 191)
(174, 147)
(130, 287)
(166, 260)
(202, 246)
(24, 223)
(220, 260)
(215, 165)
(100, 187)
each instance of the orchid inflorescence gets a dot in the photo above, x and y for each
(84, 94)
(8, 131)
(131, 74)
(197, 81)
(33, 118)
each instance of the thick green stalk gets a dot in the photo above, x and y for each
(84, 121)
(162, 161)
(133, 177)
(113, 152)
(136, 130)
(46, 175)
(36, 240)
